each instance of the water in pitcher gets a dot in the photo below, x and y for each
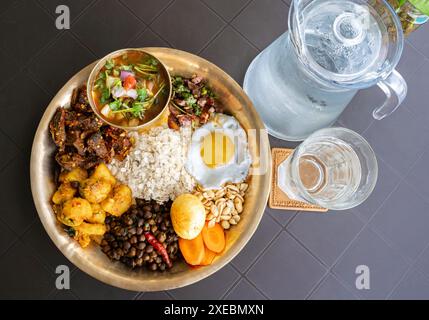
(341, 40)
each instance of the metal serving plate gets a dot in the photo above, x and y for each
(91, 260)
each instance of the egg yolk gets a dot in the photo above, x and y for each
(217, 149)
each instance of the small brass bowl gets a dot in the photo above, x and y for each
(100, 64)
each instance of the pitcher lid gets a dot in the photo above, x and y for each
(352, 43)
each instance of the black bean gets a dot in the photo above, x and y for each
(156, 207)
(162, 267)
(153, 267)
(109, 237)
(139, 230)
(147, 208)
(140, 223)
(141, 246)
(132, 231)
(158, 260)
(139, 262)
(163, 227)
(133, 240)
(147, 215)
(129, 221)
(132, 252)
(146, 257)
(115, 244)
(126, 245)
(139, 253)
(162, 237)
(141, 238)
(149, 249)
(153, 254)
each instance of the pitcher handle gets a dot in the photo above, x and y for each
(395, 88)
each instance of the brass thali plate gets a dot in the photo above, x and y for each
(91, 260)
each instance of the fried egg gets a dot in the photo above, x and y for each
(219, 153)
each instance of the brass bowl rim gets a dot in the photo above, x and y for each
(100, 64)
(191, 276)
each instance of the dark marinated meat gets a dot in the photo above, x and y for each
(74, 138)
(173, 123)
(81, 103)
(180, 102)
(174, 110)
(90, 124)
(58, 129)
(193, 101)
(202, 102)
(69, 161)
(118, 141)
(197, 80)
(91, 162)
(97, 146)
(185, 120)
(204, 117)
(83, 140)
(72, 118)
(75, 93)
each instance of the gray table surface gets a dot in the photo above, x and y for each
(292, 255)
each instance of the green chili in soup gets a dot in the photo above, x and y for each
(131, 89)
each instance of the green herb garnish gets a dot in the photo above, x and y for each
(141, 94)
(105, 95)
(109, 64)
(115, 105)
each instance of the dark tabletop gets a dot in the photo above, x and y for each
(292, 255)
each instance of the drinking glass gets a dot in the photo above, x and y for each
(334, 168)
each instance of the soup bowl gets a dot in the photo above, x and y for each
(99, 66)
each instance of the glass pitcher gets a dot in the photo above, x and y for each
(305, 79)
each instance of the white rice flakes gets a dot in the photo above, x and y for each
(154, 169)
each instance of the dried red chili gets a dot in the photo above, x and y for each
(159, 248)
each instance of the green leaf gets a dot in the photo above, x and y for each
(127, 68)
(197, 110)
(152, 61)
(421, 5)
(141, 94)
(109, 64)
(137, 109)
(115, 105)
(191, 101)
(105, 95)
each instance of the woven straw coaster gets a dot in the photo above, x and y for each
(278, 199)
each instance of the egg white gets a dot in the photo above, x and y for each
(236, 170)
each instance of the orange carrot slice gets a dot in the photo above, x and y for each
(192, 250)
(214, 238)
(208, 257)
